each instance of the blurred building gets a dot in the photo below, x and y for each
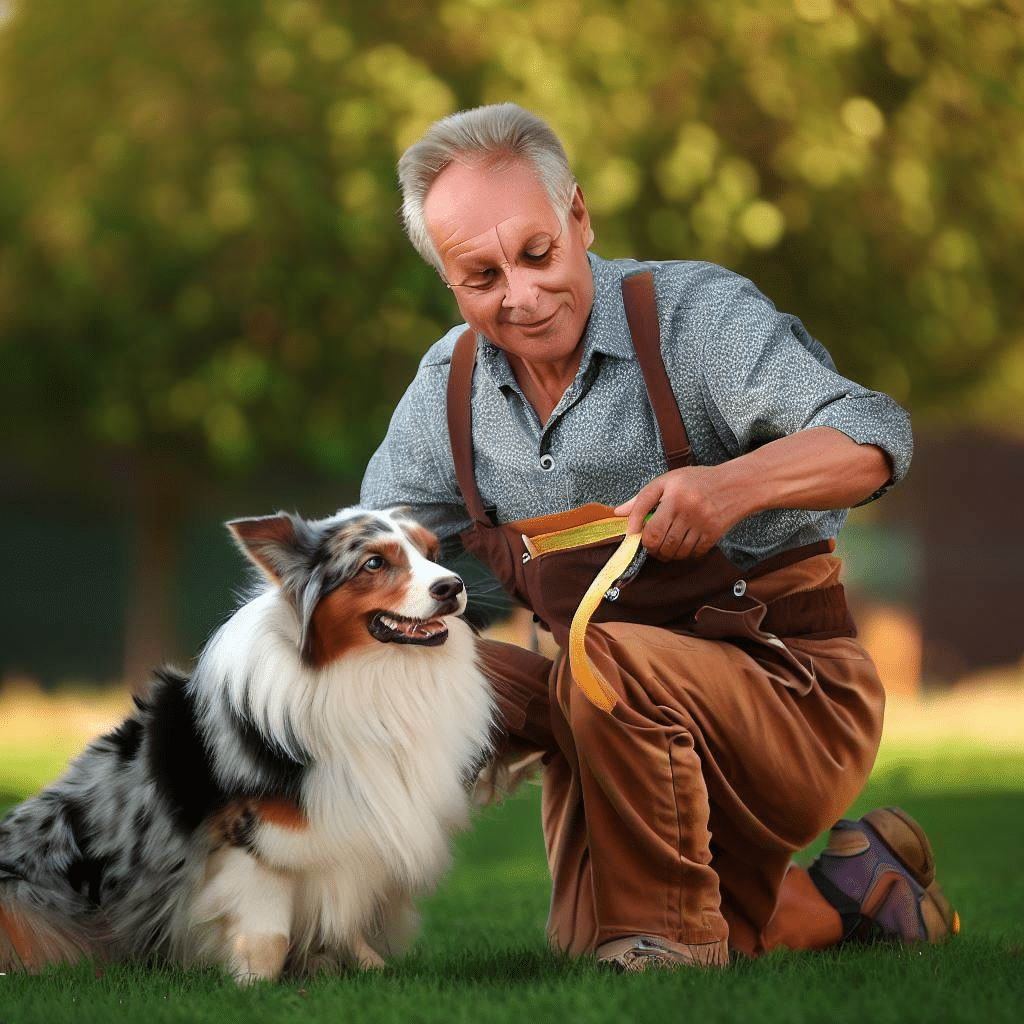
(934, 569)
(964, 500)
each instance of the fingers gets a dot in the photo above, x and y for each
(678, 542)
(676, 533)
(683, 523)
(657, 534)
(638, 507)
(668, 535)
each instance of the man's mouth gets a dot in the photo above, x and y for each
(534, 324)
(389, 628)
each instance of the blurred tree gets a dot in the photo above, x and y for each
(201, 267)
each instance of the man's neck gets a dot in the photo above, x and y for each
(543, 384)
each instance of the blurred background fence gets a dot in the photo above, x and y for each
(208, 308)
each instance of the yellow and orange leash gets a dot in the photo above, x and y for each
(584, 672)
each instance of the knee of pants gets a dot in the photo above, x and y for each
(799, 821)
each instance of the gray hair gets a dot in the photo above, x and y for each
(495, 135)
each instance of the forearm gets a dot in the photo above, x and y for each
(819, 468)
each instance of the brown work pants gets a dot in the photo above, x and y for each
(677, 813)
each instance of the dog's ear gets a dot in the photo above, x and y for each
(271, 543)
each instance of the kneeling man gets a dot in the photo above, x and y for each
(736, 716)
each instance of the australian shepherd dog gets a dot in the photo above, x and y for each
(281, 808)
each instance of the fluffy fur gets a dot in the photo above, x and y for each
(282, 807)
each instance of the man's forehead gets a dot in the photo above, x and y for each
(471, 203)
(508, 235)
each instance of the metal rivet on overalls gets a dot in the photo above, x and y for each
(547, 463)
(612, 594)
(739, 588)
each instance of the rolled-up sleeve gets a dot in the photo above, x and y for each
(413, 466)
(765, 377)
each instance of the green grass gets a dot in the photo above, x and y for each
(482, 954)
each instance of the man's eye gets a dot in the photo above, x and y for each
(538, 257)
(374, 563)
(481, 279)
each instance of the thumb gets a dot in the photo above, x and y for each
(638, 507)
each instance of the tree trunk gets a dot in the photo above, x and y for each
(150, 628)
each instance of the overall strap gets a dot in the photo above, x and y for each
(642, 314)
(460, 423)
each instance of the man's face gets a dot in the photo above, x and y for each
(518, 276)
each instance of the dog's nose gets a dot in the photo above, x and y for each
(446, 588)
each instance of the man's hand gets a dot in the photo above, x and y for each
(818, 468)
(689, 518)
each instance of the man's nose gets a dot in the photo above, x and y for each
(520, 288)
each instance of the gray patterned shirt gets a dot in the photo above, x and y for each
(743, 374)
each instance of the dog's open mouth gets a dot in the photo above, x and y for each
(389, 628)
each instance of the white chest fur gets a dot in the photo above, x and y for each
(392, 740)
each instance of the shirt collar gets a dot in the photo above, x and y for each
(607, 330)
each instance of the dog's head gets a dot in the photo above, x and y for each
(355, 578)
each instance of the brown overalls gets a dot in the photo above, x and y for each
(747, 721)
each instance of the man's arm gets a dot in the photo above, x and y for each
(413, 466)
(801, 435)
(818, 468)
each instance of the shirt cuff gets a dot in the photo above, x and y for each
(873, 418)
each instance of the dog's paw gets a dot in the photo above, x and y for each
(366, 957)
(503, 774)
(257, 957)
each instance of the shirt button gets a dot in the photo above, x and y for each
(547, 463)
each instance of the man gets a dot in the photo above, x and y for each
(741, 718)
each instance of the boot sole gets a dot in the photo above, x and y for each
(905, 840)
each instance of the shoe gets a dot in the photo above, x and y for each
(635, 953)
(879, 873)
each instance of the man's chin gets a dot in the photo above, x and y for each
(557, 332)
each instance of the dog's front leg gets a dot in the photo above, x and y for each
(254, 957)
(253, 903)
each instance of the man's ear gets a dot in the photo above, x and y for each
(269, 542)
(579, 212)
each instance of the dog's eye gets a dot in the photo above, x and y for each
(374, 563)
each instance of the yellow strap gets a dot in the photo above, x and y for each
(584, 673)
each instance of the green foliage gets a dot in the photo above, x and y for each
(200, 254)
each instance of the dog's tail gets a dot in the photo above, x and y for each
(30, 937)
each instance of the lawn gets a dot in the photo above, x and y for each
(482, 955)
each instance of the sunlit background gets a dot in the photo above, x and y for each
(208, 308)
